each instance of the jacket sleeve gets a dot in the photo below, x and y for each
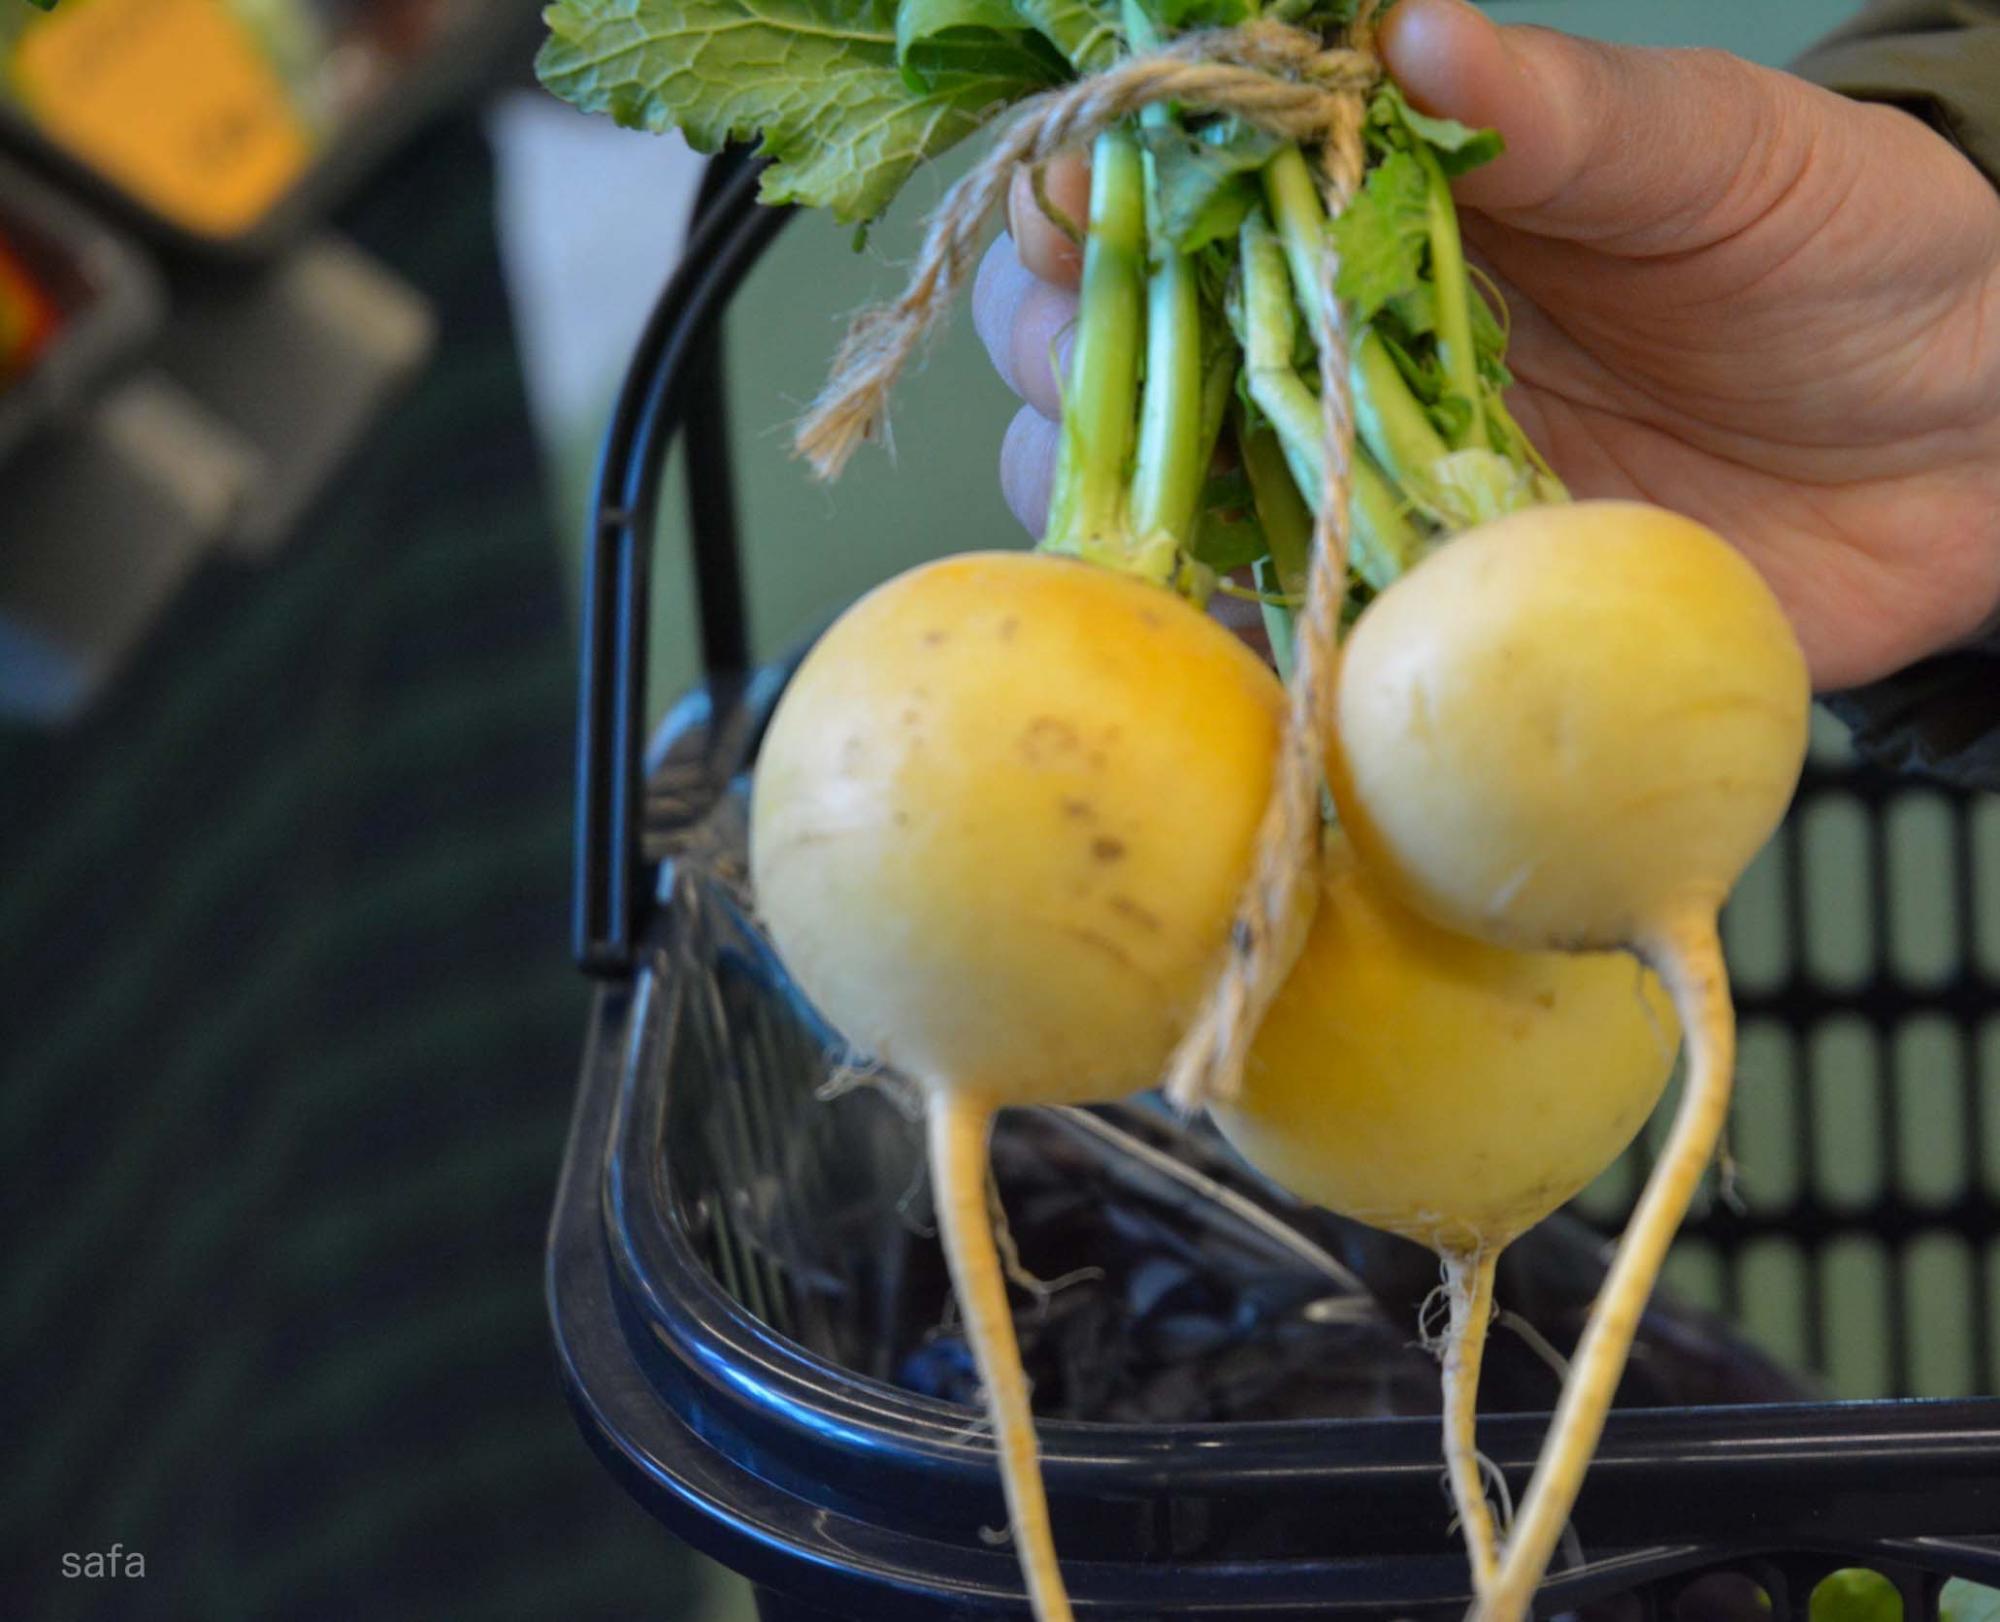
(1939, 60)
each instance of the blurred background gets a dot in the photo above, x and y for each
(311, 312)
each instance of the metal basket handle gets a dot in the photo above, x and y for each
(673, 385)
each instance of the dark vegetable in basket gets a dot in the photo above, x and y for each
(1165, 1326)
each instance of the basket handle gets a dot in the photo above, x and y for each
(674, 382)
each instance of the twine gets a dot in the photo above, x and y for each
(1292, 84)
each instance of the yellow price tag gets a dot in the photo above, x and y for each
(170, 100)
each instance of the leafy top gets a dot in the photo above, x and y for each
(847, 97)
(1384, 232)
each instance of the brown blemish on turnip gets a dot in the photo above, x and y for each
(1142, 917)
(1109, 947)
(1045, 735)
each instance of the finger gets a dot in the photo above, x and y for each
(1026, 325)
(1640, 151)
(1045, 245)
(1027, 468)
(997, 291)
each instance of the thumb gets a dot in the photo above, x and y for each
(1635, 150)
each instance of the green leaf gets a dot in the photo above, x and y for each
(1458, 146)
(1382, 236)
(1415, 311)
(1206, 180)
(1227, 542)
(1227, 535)
(1178, 16)
(1419, 366)
(918, 20)
(1191, 220)
(1476, 486)
(1023, 54)
(1489, 338)
(1085, 31)
(1414, 315)
(935, 34)
(1451, 415)
(1215, 270)
(818, 81)
(1961, 1601)
(1318, 16)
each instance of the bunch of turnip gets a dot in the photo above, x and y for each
(1007, 812)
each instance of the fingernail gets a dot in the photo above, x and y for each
(1420, 35)
(1441, 51)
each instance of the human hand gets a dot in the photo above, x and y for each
(1733, 294)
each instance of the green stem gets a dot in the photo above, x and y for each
(1511, 433)
(1087, 506)
(1394, 427)
(1167, 479)
(1173, 450)
(1287, 527)
(1282, 513)
(1218, 391)
(1293, 197)
(1385, 541)
(1391, 423)
(1454, 306)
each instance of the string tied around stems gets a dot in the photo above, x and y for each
(1296, 85)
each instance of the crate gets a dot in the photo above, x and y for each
(721, 1295)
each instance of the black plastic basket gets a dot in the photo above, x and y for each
(708, 1199)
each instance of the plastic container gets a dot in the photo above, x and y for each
(722, 1298)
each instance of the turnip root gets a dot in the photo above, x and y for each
(1450, 1091)
(1002, 818)
(1573, 728)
